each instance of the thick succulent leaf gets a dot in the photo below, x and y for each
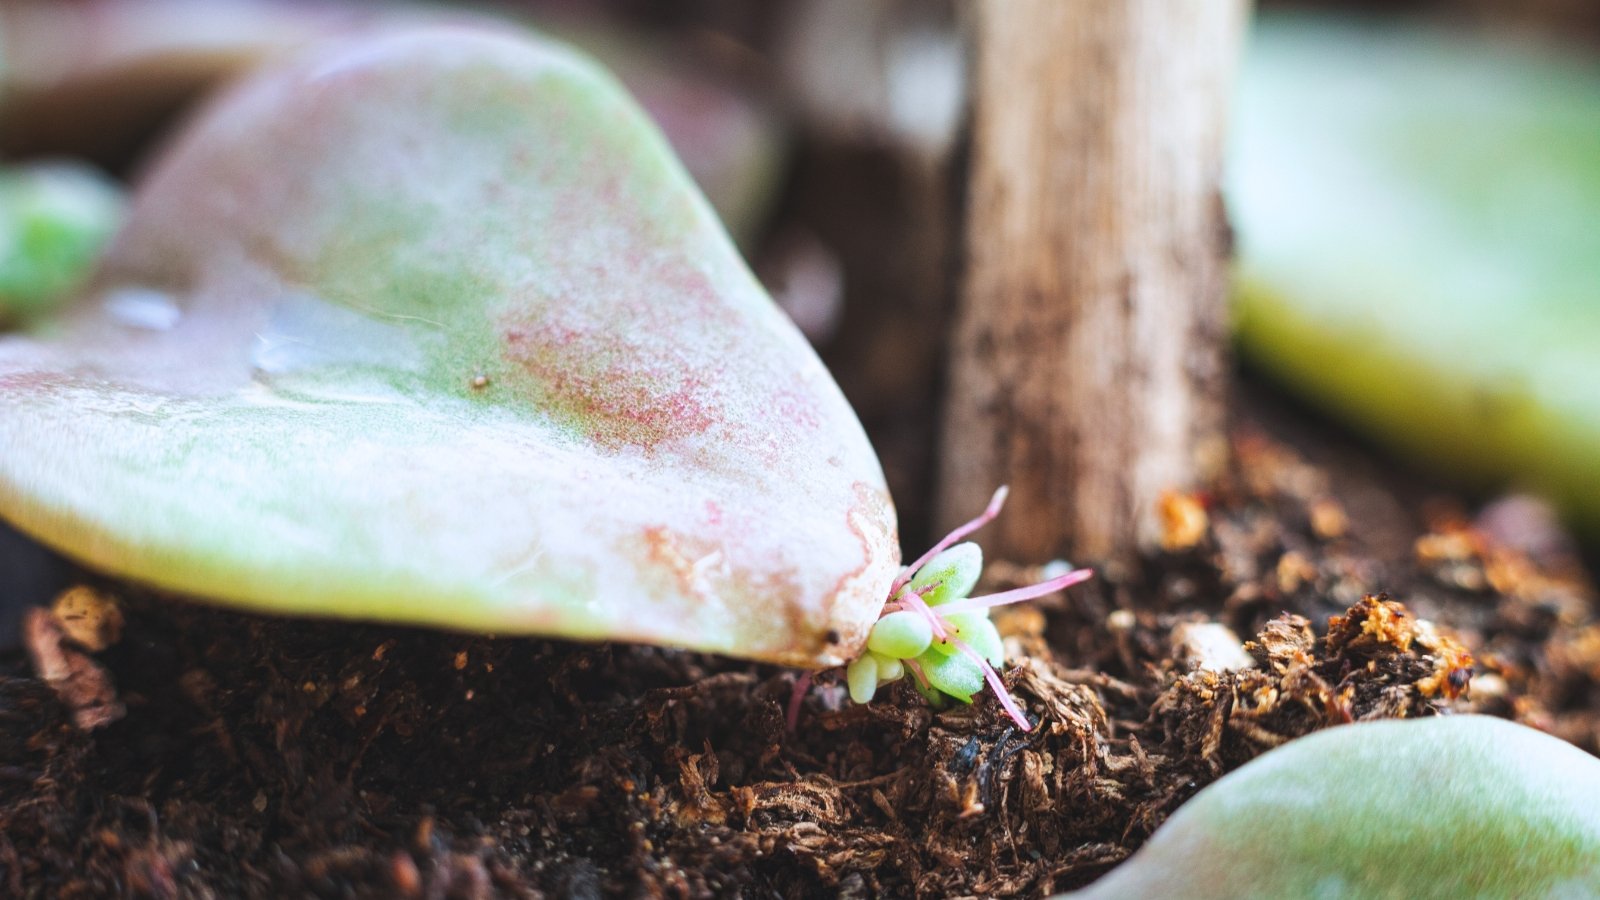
(432, 327)
(1416, 218)
(1463, 806)
(53, 221)
(889, 668)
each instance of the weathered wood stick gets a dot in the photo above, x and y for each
(1088, 362)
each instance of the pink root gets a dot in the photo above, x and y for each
(995, 684)
(916, 670)
(914, 602)
(1017, 595)
(993, 509)
(802, 686)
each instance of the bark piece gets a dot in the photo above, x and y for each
(80, 682)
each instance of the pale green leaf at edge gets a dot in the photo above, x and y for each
(1418, 251)
(349, 242)
(1450, 807)
(54, 220)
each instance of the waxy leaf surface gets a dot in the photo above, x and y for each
(432, 327)
(1450, 807)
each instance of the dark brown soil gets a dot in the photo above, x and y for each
(263, 757)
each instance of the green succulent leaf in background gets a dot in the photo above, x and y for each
(432, 327)
(54, 219)
(1418, 244)
(1450, 808)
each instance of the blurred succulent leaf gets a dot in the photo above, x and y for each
(1449, 807)
(930, 694)
(432, 327)
(54, 219)
(889, 668)
(1418, 252)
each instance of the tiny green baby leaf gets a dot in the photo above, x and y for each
(985, 639)
(861, 676)
(901, 635)
(430, 326)
(1449, 807)
(952, 674)
(889, 668)
(53, 221)
(949, 576)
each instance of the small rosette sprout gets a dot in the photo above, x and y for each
(931, 628)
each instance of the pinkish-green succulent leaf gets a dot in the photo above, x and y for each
(1450, 807)
(432, 327)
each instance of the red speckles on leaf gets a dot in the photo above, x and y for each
(617, 392)
(798, 409)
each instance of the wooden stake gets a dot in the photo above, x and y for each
(1088, 360)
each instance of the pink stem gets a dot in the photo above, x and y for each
(905, 604)
(998, 686)
(913, 601)
(916, 669)
(995, 502)
(801, 686)
(966, 604)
